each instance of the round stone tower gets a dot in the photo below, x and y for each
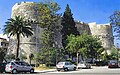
(28, 10)
(104, 32)
(30, 45)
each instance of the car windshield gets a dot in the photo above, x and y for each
(60, 63)
(25, 64)
(111, 61)
(18, 63)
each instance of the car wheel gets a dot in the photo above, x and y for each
(14, 71)
(66, 69)
(32, 71)
(90, 67)
(58, 70)
(74, 68)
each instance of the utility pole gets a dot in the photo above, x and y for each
(117, 53)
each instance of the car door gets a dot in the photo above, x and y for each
(67, 65)
(71, 66)
(18, 66)
(27, 67)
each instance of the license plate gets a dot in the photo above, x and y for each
(113, 63)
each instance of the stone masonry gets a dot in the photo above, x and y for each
(31, 44)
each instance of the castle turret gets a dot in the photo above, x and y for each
(104, 32)
(28, 10)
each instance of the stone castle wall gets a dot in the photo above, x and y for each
(104, 32)
(28, 10)
(81, 27)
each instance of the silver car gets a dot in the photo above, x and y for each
(65, 66)
(83, 65)
(18, 66)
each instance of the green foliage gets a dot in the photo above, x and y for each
(87, 45)
(114, 54)
(105, 56)
(31, 57)
(16, 27)
(47, 20)
(10, 57)
(68, 25)
(115, 22)
(17, 59)
(23, 57)
(48, 14)
(2, 54)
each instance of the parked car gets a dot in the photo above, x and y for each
(18, 66)
(113, 64)
(83, 65)
(2, 67)
(65, 66)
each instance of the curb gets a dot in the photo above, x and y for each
(45, 71)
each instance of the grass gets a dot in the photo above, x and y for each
(43, 67)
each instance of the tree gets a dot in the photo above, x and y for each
(68, 25)
(16, 27)
(2, 54)
(48, 14)
(94, 47)
(115, 22)
(31, 57)
(114, 54)
(10, 57)
(87, 45)
(47, 20)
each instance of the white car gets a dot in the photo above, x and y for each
(65, 66)
(83, 65)
(18, 66)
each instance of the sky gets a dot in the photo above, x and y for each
(83, 10)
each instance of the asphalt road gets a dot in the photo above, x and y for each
(93, 71)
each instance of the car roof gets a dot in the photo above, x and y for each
(113, 60)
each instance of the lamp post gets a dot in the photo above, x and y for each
(117, 53)
(55, 46)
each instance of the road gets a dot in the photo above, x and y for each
(93, 71)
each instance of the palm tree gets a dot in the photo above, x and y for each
(18, 26)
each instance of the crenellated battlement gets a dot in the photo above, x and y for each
(17, 5)
(100, 28)
(104, 32)
(23, 3)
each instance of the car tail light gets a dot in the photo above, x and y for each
(63, 66)
(11, 67)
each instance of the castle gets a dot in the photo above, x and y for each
(31, 44)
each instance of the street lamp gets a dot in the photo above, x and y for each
(117, 52)
(55, 45)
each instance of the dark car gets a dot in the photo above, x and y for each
(113, 64)
(2, 67)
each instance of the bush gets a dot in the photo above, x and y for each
(17, 59)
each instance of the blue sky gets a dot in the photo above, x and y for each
(83, 10)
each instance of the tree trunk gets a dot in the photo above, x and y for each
(18, 43)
